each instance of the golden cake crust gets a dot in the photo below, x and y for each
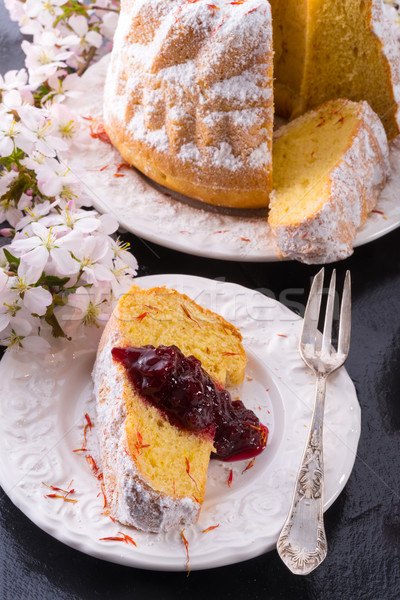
(188, 97)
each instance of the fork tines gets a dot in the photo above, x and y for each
(311, 341)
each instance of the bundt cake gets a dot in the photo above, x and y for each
(328, 49)
(160, 372)
(189, 97)
(329, 167)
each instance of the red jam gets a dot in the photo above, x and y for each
(182, 389)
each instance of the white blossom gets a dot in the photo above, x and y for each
(89, 307)
(6, 179)
(20, 334)
(35, 214)
(92, 255)
(10, 305)
(63, 86)
(3, 261)
(8, 211)
(63, 123)
(109, 24)
(13, 134)
(45, 10)
(35, 251)
(38, 131)
(55, 179)
(80, 25)
(57, 250)
(121, 253)
(12, 100)
(45, 57)
(35, 299)
(14, 80)
(13, 333)
(122, 278)
(16, 9)
(68, 219)
(35, 344)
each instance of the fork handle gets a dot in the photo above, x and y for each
(302, 543)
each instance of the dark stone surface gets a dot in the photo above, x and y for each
(11, 54)
(363, 525)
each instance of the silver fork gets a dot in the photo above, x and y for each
(302, 543)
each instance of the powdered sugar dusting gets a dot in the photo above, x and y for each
(205, 58)
(157, 139)
(243, 89)
(183, 74)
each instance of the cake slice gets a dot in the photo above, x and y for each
(327, 49)
(162, 362)
(329, 168)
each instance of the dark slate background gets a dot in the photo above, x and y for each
(363, 525)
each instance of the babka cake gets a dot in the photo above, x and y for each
(189, 97)
(160, 372)
(329, 168)
(327, 49)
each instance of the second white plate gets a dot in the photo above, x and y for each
(187, 225)
(42, 408)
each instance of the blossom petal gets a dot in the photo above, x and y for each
(6, 146)
(80, 300)
(87, 224)
(36, 344)
(25, 244)
(102, 272)
(126, 258)
(79, 24)
(12, 99)
(36, 260)
(45, 148)
(64, 261)
(109, 223)
(94, 39)
(37, 299)
(40, 230)
(3, 280)
(20, 325)
(24, 273)
(4, 320)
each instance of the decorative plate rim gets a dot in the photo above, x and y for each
(264, 491)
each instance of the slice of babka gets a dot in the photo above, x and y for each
(329, 168)
(160, 373)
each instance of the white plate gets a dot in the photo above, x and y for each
(187, 225)
(42, 407)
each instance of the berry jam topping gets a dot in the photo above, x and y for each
(181, 388)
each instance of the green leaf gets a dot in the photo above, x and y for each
(22, 183)
(12, 260)
(53, 281)
(51, 320)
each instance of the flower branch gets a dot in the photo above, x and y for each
(63, 268)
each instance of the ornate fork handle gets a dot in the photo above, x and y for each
(302, 543)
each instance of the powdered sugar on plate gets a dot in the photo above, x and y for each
(183, 224)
